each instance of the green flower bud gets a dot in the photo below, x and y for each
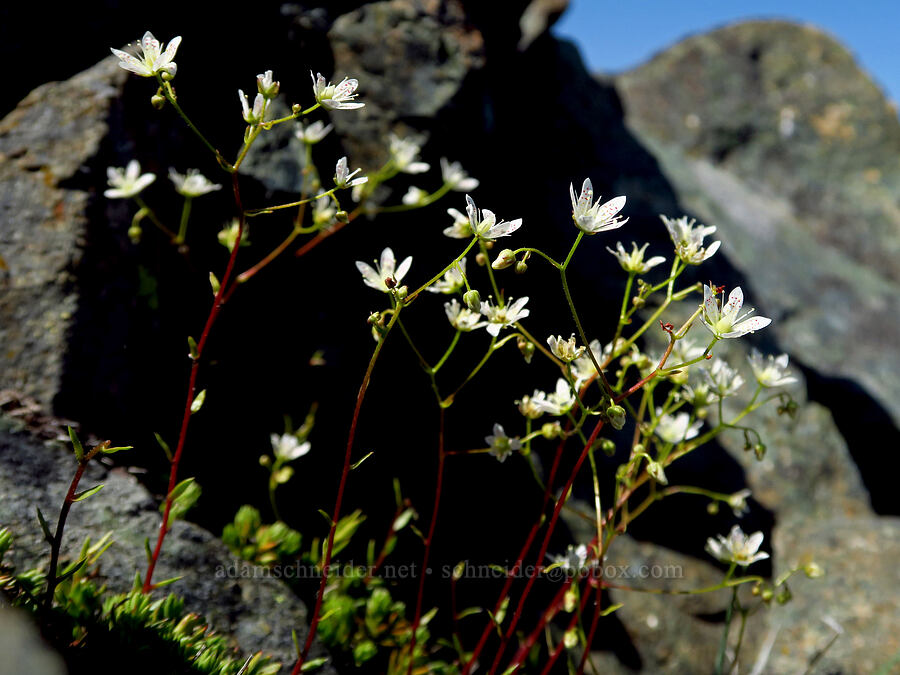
(616, 414)
(481, 259)
(655, 470)
(551, 430)
(134, 233)
(402, 292)
(473, 300)
(342, 217)
(521, 267)
(760, 450)
(504, 260)
(784, 596)
(158, 101)
(712, 508)
(526, 348)
(608, 447)
(813, 570)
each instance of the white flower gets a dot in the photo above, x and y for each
(193, 183)
(335, 97)
(454, 176)
(484, 223)
(723, 379)
(384, 277)
(324, 211)
(502, 317)
(574, 560)
(676, 428)
(531, 406)
(770, 371)
(288, 448)
(461, 228)
(738, 502)
(583, 368)
(596, 218)
(258, 112)
(634, 261)
(127, 182)
(686, 349)
(151, 60)
(699, 395)
(725, 322)
(462, 318)
(404, 152)
(501, 445)
(565, 350)
(560, 401)
(342, 175)
(688, 239)
(313, 133)
(452, 281)
(414, 196)
(228, 235)
(737, 548)
(266, 84)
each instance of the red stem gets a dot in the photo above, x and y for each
(345, 472)
(520, 559)
(538, 566)
(428, 541)
(217, 305)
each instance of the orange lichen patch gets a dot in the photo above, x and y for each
(834, 122)
(872, 175)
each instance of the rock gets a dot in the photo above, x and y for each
(44, 145)
(771, 132)
(239, 600)
(22, 648)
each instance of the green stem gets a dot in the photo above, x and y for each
(169, 93)
(185, 215)
(723, 643)
(412, 296)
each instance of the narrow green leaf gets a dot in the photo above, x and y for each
(76, 444)
(612, 608)
(71, 569)
(214, 283)
(469, 611)
(403, 520)
(198, 402)
(84, 494)
(112, 451)
(44, 526)
(147, 549)
(163, 445)
(313, 663)
(326, 517)
(353, 466)
(192, 347)
(166, 582)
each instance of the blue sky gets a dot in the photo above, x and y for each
(614, 35)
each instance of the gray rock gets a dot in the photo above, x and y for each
(22, 648)
(771, 132)
(238, 599)
(44, 143)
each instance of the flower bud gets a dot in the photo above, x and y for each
(158, 101)
(813, 570)
(342, 217)
(526, 348)
(168, 73)
(570, 639)
(712, 508)
(481, 259)
(504, 260)
(134, 233)
(655, 470)
(551, 430)
(570, 600)
(521, 267)
(767, 595)
(402, 292)
(265, 460)
(473, 300)
(616, 414)
(374, 318)
(784, 596)
(266, 86)
(608, 447)
(760, 450)
(296, 108)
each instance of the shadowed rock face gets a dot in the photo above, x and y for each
(768, 131)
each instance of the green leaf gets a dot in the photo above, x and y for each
(45, 527)
(76, 444)
(71, 569)
(214, 283)
(192, 346)
(112, 451)
(327, 517)
(469, 611)
(147, 549)
(612, 608)
(166, 582)
(353, 466)
(197, 403)
(163, 445)
(183, 497)
(403, 520)
(313, 663)
(84, 494)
